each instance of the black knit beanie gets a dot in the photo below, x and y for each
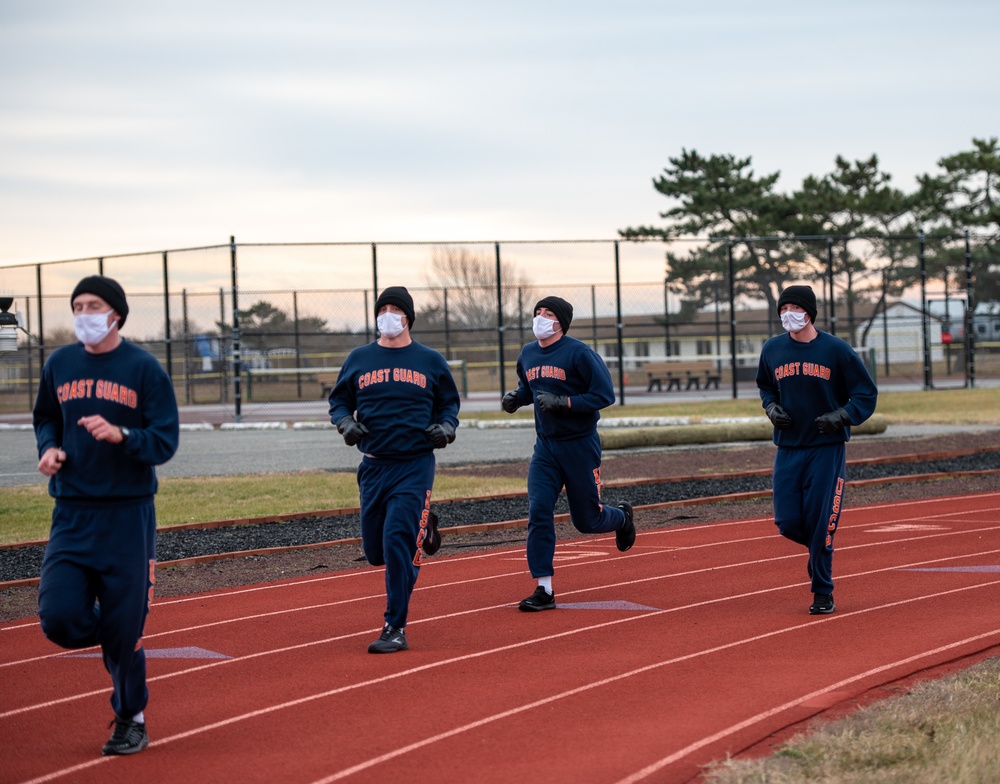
(559, 306)
(400, 297)
(803, 296)
(108, 289)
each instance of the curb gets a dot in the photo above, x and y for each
(716, 432)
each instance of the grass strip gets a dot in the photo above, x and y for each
(941, 731)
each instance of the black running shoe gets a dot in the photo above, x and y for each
(822, 604)
(539, 600)
(390, 641)
(129, 737)
(625, 536)
(432, 537)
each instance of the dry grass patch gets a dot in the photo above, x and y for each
(26, 511)
(941, 731)
(935, 406)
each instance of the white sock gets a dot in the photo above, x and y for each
(546, 583)
(139, 718)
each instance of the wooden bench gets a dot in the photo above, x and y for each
(692, 373)
(327, 381)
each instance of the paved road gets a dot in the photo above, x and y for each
(228, 452)
(223, 452)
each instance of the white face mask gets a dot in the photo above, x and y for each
(390, 324)
(543, 327)
(92, 328)
(793, 320)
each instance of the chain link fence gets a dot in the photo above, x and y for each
(241, 324)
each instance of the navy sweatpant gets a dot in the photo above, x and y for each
(105, 553)
(395, 500)
(808, 498)
(575, 464)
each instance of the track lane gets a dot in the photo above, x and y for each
(607, 572)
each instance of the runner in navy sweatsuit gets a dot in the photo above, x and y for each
(104, 416)
(813, 387)
(569, 384)
(396, 400)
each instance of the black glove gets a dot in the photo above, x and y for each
(778, 416)
(552, 404)
(833, 421)
(441, 434)
(510, 403)
(351, 430)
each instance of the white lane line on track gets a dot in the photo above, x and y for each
(502, 553)
(506, 552)
(489, 719)
(649, 770)
(438, 586)
(302, 646)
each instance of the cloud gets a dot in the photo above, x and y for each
(130, 125)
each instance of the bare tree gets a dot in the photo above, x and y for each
(470, 280)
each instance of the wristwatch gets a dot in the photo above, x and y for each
(125, 433)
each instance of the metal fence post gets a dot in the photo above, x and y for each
(166, 319)
(885, 318)
(833, 296)
(41, 311)
(947, 323)
(187, 347)
(500, 326)
(237, 369)
(732, 313)
(298, 345)
(31, 368)
(620, 327)
(924, 323)
(970, 306)
(374, 274)
(666, 317)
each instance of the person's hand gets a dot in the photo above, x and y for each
(441, 434)
(101, 429)
(778, 416)
(833, 421)
(352, 430)
(510, 403)
(51, 461)
(552, 404)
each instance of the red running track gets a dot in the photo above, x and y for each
(693, 645)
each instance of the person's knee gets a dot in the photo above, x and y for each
(67, 630)
(790, 529)
(375, 558)
(587, 525)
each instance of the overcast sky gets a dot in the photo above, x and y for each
(135, 126)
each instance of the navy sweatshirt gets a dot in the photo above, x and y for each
(128, 387)
(567, 367)
(397, 393)
(814, 378)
